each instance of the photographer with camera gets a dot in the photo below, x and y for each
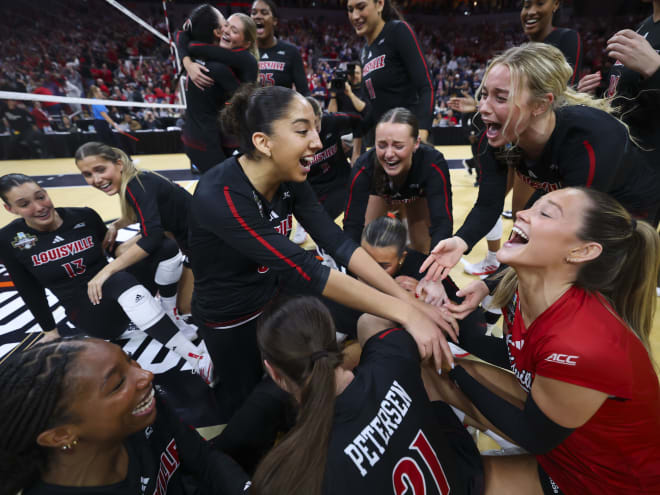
(346, 83)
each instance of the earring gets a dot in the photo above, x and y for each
(69, 446)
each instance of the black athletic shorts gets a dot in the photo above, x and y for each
(548, 484)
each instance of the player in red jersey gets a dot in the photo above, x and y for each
(578, 303)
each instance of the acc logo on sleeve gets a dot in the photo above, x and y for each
(562, 359)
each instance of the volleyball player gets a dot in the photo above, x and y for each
(565, 139)
(280, 62)
(201, 133)
(536, 17)
(160, 207)
(369, 431)
(61, 249)
(400, 170)
(330, 170)
(241, 217)
(394, 70)
(80, 416)
(578, 303)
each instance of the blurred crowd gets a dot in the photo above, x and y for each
(67, 49)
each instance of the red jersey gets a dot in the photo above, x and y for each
(580, 340)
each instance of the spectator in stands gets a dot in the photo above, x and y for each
(25, 134)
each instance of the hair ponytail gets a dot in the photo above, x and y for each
(625, 272)
(391, 11)
(299, 341)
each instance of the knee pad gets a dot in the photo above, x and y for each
(496, 232)
(169, 270)
(141, 307)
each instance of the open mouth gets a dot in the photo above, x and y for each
(260, 27)
(517, 237)
(358, 25)
(146, 405)
(493, 130)
(105, 187)
(531, 22)
(392, 165)
(44, 215)
(306, 163)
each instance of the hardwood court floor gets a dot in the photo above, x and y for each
(464, 195)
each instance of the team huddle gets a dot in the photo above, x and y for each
(333, 368)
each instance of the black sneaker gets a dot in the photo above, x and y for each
(508, 214)
(469, 165)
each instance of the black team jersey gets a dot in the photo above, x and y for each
(202, 129)
(587, 148)
(160, 206)
(159, 457)
(395, 74)
(282, 65)
(639, 98)
(241, 62)
(569, 43)
(330, 168)
(428, 178)
(63, 260)
(240, 252)
(386, 435)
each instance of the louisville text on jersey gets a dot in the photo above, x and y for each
(325, 154)
(372, 65)
(367, 447)
(169, 463)
(63, 251)
(279, 66)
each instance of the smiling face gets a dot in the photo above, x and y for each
(545, 235)
(32, 203)
(101, 173)
(114, 396)
(263, 18)
(506, 118)
(365, 17)
(395, 147)
(294, 141)
(233, 34)
(536, 18)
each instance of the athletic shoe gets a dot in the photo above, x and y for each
(457, 351)
(188, 330)
(300, 235)
(484, 268)
(204, 366)
(508, 214)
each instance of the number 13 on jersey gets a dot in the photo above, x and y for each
(408, 476)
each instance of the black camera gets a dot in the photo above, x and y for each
(338, 81)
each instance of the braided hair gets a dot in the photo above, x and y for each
(34, 390)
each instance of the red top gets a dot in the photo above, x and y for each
(580, 340)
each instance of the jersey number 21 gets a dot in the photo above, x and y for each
(408, 476)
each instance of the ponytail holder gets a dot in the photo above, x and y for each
(634, 225)
(318, 355)
(187, 26)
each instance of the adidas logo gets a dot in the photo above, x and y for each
(57, 239)
(264, 56)
(144, 482)
(79, 225)
(281, 52)
(139, 298)
(381, 41)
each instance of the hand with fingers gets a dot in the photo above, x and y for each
(634, 51)
(425, 326)
(406, 282)
(197, 73)
(95, 286)
(431, 292)
(443, 258)
(474, 293)
(589, 83)
(463, 104)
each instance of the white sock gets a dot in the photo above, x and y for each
(184, 348)
(168, 304)
(492, 256)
